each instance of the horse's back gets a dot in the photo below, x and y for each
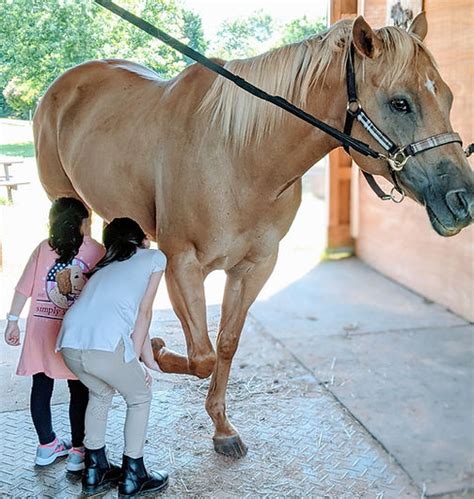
(89, 83)
(119, 91)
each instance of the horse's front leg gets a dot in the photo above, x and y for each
(185, 282)
(244, 282)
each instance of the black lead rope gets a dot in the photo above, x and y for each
(394, 155)
(357, 145)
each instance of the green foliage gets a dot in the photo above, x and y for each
(241, 38)
(122, 40)
(301, 28)
(5, 109)
(251, 35)
(22, 149)
(193, 33)
(40, 39)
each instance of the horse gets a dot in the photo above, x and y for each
(214, 175)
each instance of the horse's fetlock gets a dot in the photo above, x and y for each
(215, 408)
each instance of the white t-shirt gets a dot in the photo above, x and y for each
(107, 308)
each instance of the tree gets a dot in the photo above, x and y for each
(301, 28)
(40, 40)
(135, 44)
(241, 38)
(193, 33)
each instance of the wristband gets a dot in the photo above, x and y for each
(12, 318)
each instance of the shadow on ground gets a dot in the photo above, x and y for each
(402, 365)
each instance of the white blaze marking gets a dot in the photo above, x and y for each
(431, 86)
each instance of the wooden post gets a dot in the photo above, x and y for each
(340, 164)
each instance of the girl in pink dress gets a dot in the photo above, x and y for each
(53, 278)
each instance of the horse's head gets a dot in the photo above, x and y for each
(402, 92)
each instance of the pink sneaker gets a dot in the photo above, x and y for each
(75, 459)
(47, 454)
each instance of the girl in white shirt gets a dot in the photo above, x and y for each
(102, 339)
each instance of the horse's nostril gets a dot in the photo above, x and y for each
(467, 199)
(471, 208)
(460, 204)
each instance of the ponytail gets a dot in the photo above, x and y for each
(65, 221)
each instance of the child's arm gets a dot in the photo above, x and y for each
(142, 324)
(23, 291)
(12, 331)
(147, 355)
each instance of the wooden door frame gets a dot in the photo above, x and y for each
(340, 164)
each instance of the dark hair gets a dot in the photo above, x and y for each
(122, 237)
(65, 220)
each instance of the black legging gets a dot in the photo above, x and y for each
(40, 406)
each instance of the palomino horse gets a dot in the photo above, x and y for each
(214, 174)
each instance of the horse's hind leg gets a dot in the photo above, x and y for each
(185, 282)
(242, 288)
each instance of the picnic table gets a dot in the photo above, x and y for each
(6, 180)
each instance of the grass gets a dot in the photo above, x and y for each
(22, 149)
(337, 254)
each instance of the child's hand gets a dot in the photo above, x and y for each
(12, 334)
(148, 379)
(150, 363)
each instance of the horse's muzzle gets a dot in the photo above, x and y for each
(448, 217)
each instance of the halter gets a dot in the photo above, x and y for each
(395, 156)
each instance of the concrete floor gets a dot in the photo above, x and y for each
(302, 442)
(402, 366)
(344, 385)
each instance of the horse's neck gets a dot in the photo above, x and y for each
(295, 146)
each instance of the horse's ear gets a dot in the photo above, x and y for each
(419, 26)
(366, 41)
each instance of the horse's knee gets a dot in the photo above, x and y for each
(202, 366)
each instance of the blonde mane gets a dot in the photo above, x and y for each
(292, 71)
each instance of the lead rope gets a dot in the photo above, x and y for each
(394, 155)
(357, 145)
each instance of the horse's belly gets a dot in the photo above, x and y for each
(112, 193)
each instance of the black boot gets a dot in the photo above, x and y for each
(136, 480)
(99, 474)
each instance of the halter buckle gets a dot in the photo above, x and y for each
(394, 198)
(353, 107)
(397, 160)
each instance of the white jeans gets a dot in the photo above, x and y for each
(103, 373)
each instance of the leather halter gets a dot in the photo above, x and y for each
(396, 156)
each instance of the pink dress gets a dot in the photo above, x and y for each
(53, 288)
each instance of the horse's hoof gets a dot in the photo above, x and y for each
(230, 446)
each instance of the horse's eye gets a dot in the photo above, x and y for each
(400, 106)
